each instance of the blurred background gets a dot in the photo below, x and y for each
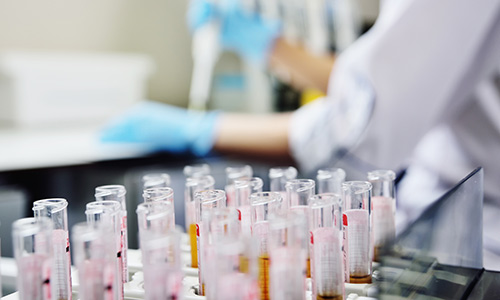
(67, 67)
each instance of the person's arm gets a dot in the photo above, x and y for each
(295, 65)
(253, 134)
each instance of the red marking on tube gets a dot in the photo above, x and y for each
(239, 214)
(344, 219)
(312, 238)
(197, 230)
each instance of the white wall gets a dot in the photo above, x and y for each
(154, 27)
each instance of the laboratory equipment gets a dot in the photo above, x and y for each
(383, 208)
(161, 260)
(108, 214)
(117, 193)
(155, 217)
(329, 180)
(278, 176)
(327, 269)
(217, 225)
(32, 251)
(288, 245)
(56, 210)
(298, 193)
(356, 228)
(158, 194)
(243, 188)
(196, 170)
(263, 204)
(153, 180)
(233, 173)
(205, 201)
(193, 185)
(94, 253)
(231, 281)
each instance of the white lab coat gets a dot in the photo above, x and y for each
(418, 71)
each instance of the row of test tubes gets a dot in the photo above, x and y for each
(246, 243)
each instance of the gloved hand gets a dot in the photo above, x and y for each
(164, 127)
(247, 33)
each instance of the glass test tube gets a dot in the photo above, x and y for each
(117, 193)
(298, 193)
(32, 250)
(356, 227)
(56, 210)
(264, 204)
(95, 259)
(205, 201)
(330, 180)
(196, 170)
(155, 217)
(159, 194)
(287, 251)
(155, 180)
(233, 173)
(161, 259)
(383, 208)
(327, 270)
(278, 177)
(193, 185)
(108, 214)
(243, 188)
(218, 225)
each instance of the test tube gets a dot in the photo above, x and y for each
(218, 225)
(94, 252)
(193, 185)
(330, 180)
(233, 173)
(204, 202)
(161, 260)
(117, 193)
(32, 250)
(108, 214)
(155, 180)
(298, 193)
(356, 227)
(196, 170)
(56, 210)
(278, 176)
(383, 208)
(327, 274)
(287, 248)
(243, 188)
(155, 217)
(264, 204)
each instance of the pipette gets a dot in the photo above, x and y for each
(356, 227)
(108, 214)
(117, 193)
(94, 252)
(56, 210)
(383, 208)
(32, 251)
(193, 185)
(327, 274)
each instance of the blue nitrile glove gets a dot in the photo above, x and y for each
(164, 127)
(246, 33)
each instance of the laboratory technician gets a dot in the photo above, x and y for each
(426, 74)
